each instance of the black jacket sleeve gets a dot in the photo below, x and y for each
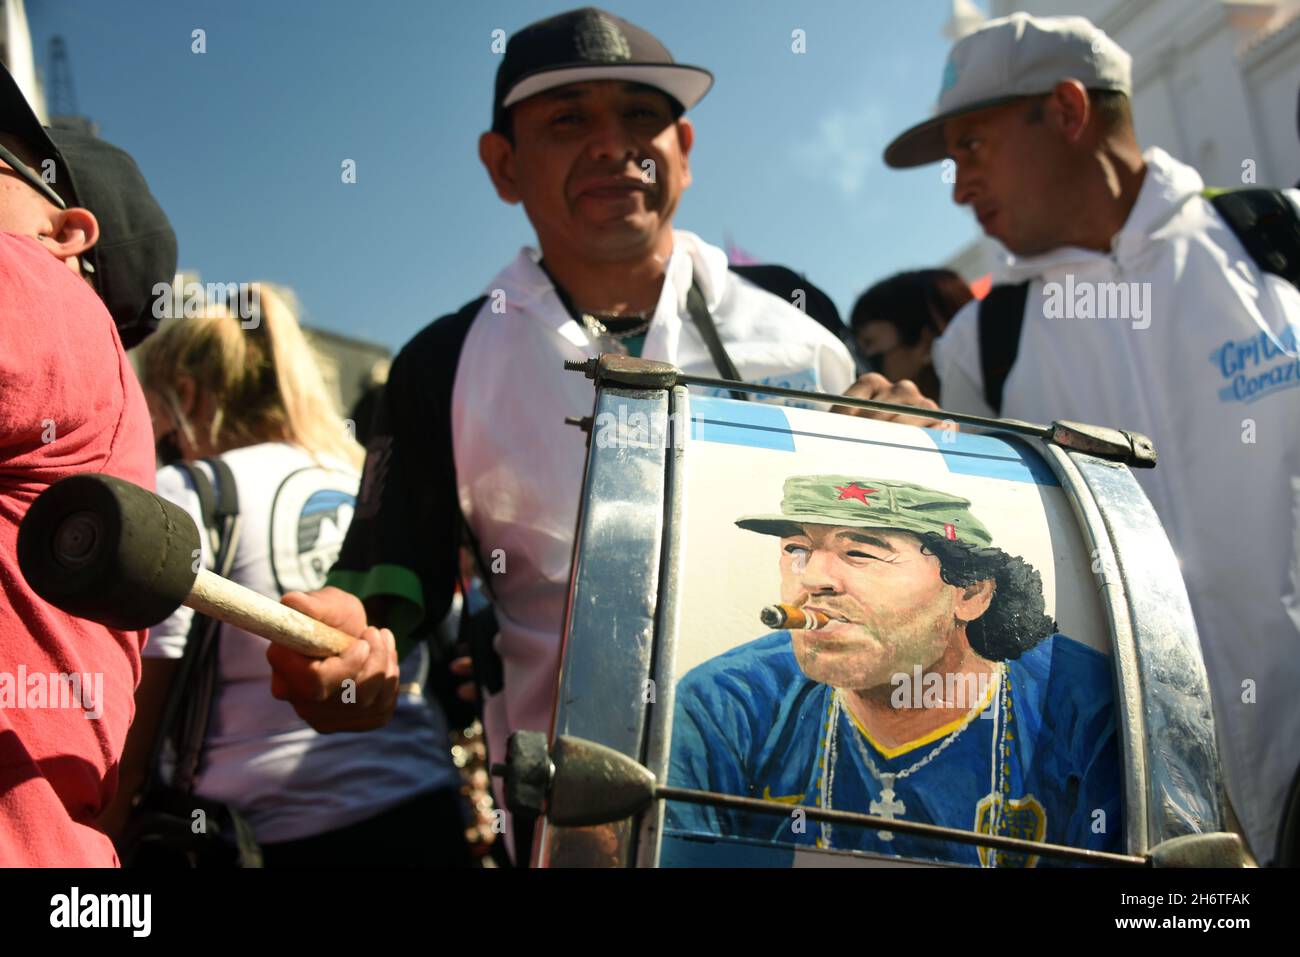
(401, 552)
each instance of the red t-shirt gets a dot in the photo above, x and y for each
(69, 403)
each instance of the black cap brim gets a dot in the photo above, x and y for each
(685, 84)
(17, 118)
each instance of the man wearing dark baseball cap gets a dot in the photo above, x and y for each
(588, 136)
(1132, 297)
(82, 244)
(586, 45)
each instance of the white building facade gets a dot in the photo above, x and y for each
(16, 52)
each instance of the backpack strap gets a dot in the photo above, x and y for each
(206, 493)
(226, 506)
(189, 700)
(1266, 223)
(1001, 316)
(218, 505)
(462, 321)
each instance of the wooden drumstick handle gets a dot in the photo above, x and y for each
(244, 608)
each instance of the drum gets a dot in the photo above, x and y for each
(982, 633)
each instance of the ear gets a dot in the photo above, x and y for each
(1070, 109)
(974, 600)
(686, 140)
(72, 232)
(498, 158)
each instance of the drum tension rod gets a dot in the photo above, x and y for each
(1118, 445)
(579, 783)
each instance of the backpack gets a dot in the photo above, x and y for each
(1264, 220)
(786, 284)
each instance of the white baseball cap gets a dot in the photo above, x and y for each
(1007, 59)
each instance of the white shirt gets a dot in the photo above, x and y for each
(289, 781)
(519, 467)
(1215, 382)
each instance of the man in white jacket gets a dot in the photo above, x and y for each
(1143, 310)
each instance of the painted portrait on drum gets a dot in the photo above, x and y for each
(912, 671)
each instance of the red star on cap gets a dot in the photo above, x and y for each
(854, 490)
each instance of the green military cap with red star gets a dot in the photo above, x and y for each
(856, 502)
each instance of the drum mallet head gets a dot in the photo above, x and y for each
(101, 548)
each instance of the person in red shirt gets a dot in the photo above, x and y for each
(70, 279)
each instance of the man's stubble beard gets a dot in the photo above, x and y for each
(619, 240)
(912, 641)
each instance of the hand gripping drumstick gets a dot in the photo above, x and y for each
(101, 548)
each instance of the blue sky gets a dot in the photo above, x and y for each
(243, 144)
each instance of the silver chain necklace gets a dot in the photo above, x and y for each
(596, 325)
(888, 806)
(607, 341)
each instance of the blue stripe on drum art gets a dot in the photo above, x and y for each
(754, 424)
(987, 456)
(764, 426)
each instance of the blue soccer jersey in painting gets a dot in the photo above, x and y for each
(750, 722)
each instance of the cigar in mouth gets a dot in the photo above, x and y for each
(788, 616)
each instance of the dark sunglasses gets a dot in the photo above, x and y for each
(20, 169)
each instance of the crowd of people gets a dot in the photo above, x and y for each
(347, 760)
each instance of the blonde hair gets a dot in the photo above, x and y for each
(264, 382)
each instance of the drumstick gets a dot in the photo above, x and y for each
(789, 616)
(101, 548)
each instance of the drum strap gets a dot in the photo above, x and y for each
(699, 311)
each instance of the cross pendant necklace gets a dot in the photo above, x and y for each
(887, 806)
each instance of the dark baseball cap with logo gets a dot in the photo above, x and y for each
(137, 247)
(584, 45)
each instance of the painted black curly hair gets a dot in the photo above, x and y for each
(1016, 619)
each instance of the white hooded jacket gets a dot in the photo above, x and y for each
(1204, 361)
